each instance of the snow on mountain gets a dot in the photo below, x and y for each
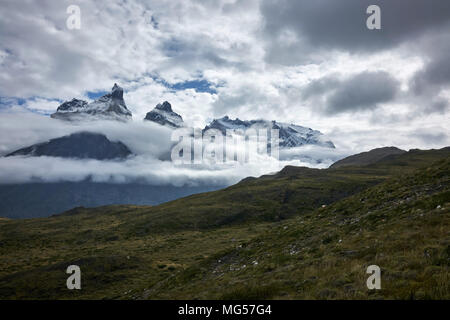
(164, 115)
(291, 135)
(72, 105)
(111, 106)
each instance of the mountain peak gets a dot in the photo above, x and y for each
(110, 106)
(165, 106)
(290, 135)
(164, 115)
(80, 145)
(117, 92)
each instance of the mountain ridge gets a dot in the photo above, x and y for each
(368, 157)
(110, 106)
(290, 135)
(164, 115)
(396, 216)
(279, 196)
(79, 145)
(399, 225)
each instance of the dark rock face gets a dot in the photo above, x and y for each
(165, 106)
(110, 106)
(81, 145)
(164, 115)
(369, 157)
(117, 93)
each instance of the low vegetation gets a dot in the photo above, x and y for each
(301, 233)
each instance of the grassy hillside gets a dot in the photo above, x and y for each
(401, 225)
(384, 214)
(290, 192)
(369, 157)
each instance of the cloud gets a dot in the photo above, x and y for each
(151, 143)
(304, 32)
(27, 128)
(41, 105)
(313, 63)
(316, 28)
(431, 137)
(363, 91)
(434, 77)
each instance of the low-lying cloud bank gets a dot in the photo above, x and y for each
(151, 164)
(136, 169)
(151, 144)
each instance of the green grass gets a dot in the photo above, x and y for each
(275, 226)
(401, 225)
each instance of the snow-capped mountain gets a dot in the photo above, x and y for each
(72, 105)
(291, 135)
(164, 115)
(111, 106)
(80, 145)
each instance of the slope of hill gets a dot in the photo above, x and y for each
(369, 157)
(292, 191)
(238, 242)
(401, 225)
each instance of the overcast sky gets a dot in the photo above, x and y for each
(310, 62)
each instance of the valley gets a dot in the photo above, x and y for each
(298, 234)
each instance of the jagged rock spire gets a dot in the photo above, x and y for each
(111, 106)
(117, 92)
(163, 115)
(166, 106)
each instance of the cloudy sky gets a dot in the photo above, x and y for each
(309, 62)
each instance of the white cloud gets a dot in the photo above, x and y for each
(151, 144)
(143, 45)
(42, 105)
